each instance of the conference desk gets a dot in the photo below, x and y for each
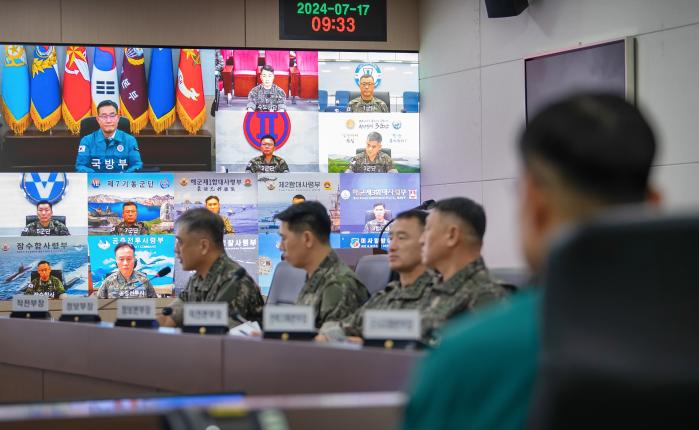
(35, 151)
(49, 360)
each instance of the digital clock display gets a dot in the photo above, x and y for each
(346, 20)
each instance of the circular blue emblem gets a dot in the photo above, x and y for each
(368, 69)
(258, 124)
(44, 186)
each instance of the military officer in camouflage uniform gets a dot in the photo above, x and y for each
(267, 162)
(45, 284)
(267, 96)
(412, 290)
(45, 225)
(366, 102)
(213, 204)
(379, 222)
(217, 278)
(129, 225)
(372, 160)
(451, 244)
(126, 282)
(331, 288)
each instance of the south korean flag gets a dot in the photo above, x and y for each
(104, 77)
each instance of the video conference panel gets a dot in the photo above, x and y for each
(344, 129)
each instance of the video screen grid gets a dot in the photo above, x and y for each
(338, 127)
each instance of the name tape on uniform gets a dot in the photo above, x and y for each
(80, 306)
(136, 309)
(288, 318)
(206, 314)
(25, 303)
(392, 324)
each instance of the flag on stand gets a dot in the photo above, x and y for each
(15, 89)
(191, 108)
(45, 88)
(77, 101)
(132, 89)
(104, 77)
(161, 90)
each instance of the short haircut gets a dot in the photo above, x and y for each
(268, 136)
(299, 196)
(466, 210)
(104, 103)
(599, 144)
(380, 204)
(211, 197)
(267, 68)
(375, 136)
(366, 75)
(203, 221)
(129, 204)
(43, 262)
(124, 245)
(420, 216)
(309, 215)
(44, 202)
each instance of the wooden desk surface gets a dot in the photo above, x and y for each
(61, 361)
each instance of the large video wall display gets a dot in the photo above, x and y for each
(283, 125)
(96, 230)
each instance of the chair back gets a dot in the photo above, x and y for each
(54, 272)
(620, 325)
(383, 95)
(374, 272)
(245, 62)
(307, 63)
(322, 100)
(342, 98)
(279, 60)
(90, 125)
(31, 218)
(287, 282)
(411, 101)
(369, 215)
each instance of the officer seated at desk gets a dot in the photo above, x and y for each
(216, 278)
(108, 150)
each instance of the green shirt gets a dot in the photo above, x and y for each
(482, 374)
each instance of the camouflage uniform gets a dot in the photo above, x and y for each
(135, 228)
(374, 105)
(375, 226)
(414, 296)
(227, 226)
(333, 290)
(243, 295)
(360, 163)
(266, 100)
(55, 228)
(468, 289)
(259, 165)
(116, 286)
(52, 288)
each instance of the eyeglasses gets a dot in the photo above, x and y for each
(105, 117)
(367, 84)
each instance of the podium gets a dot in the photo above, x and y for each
(35, 151)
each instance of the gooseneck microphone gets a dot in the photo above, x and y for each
(426, 205)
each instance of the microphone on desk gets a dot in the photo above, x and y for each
(162, 272)
(424, 206)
